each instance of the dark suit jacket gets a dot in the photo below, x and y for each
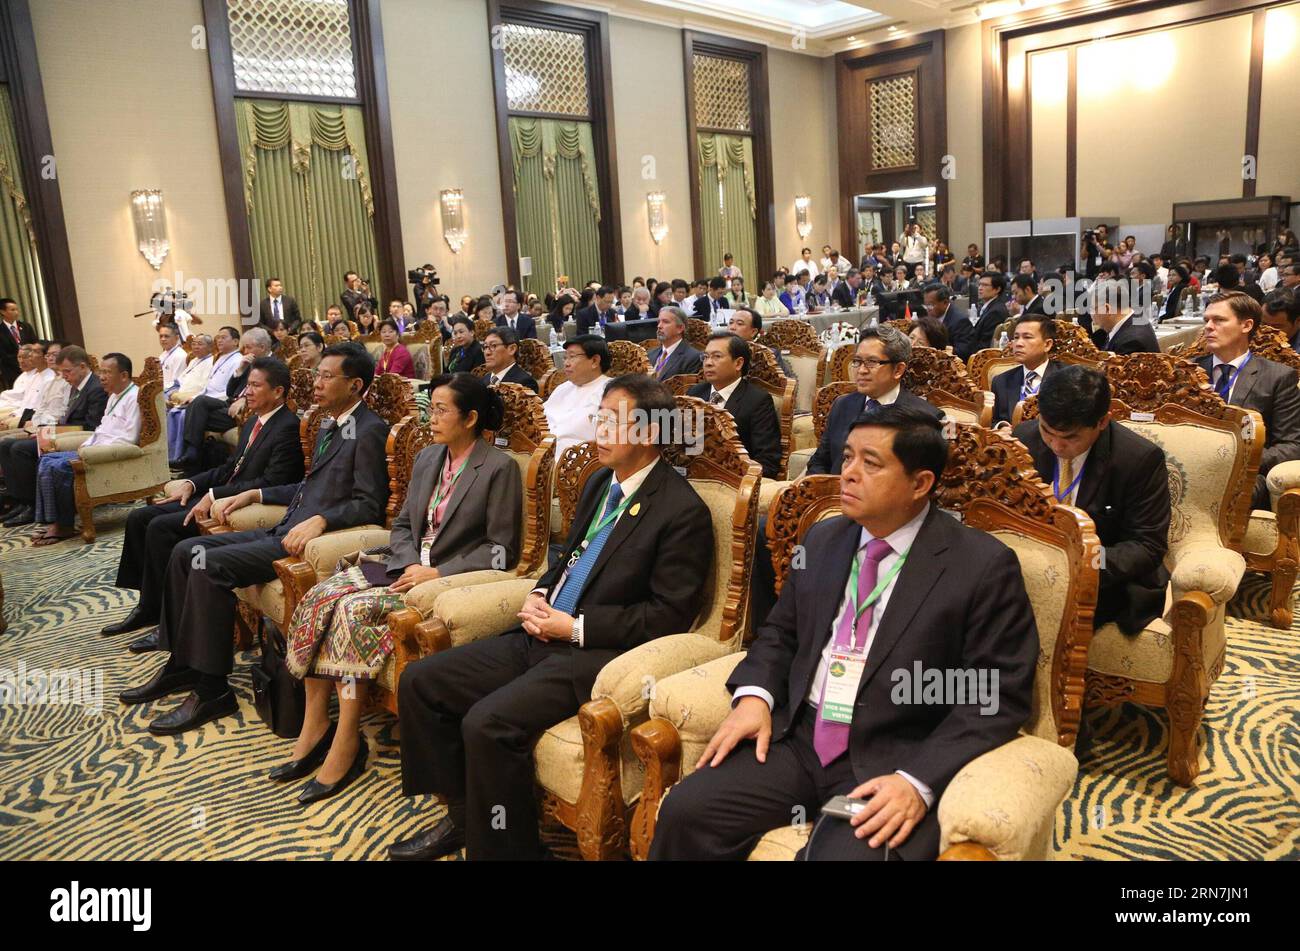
(350, 299)
(1270, 389)
(982, 336)
(348, 484)
(1006, 390)
(1130, 338)
(756, 422)
(588, 317)
(9, 368)
(525, 326)
(685, 359)
(1173, 302)
(1125, 491)
(465, 359)
(844, 295)
(86, 409)
(827, 460)
(1035, 306)
(961, 332)
(274, 459)
(481, 526)
(289, 313)
(650, 577)
(942, 616)
(517, 374)
(703, 308)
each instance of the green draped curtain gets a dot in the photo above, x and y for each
(557, 201)
(20, 269)
(307, 189)
(727, 207)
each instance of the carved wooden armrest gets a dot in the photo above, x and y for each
(297, 577)
(659, 746)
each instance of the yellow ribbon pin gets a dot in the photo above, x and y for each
(634, 509)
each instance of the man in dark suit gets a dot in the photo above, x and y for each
(819, 707)
(511, 316)
(1177, 286)
(991, 311)
(19, 458)
(269, 453)
(356, 293)
(208, 414)
(726, 362)
(846, 292)
(13, 335)
(1282, 310)
(279, 307)
(714, 299)
(747, 324)
(674, 354)
(1244, 281)
(939, 303)
(1243, 378)
(1119, 478)
(1117, 327)
(878, 368)
(1033, 342)
(599, 311)
(634, 569)
(1024, 290)
(346, 487)
(500, 348)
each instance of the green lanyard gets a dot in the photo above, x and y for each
(119, 399)
(595, 528)
(874, 596)
(437, 495)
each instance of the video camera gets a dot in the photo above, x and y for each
(424, 275)
(165, 303)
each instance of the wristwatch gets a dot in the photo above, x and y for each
(575, 636)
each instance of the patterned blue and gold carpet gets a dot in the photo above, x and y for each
(86, 783)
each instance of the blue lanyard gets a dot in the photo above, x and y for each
(1056, 483)
(1226, 389)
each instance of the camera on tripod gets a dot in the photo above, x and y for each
(424, 275)
(166, 303)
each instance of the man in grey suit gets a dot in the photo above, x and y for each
(956, 319)
(346, 487)
(674, 354)
(1246, 379)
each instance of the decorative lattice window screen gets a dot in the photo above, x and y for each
(546, 70)
(722, 94)
(293, 47)
(928, 223)
(893, 122)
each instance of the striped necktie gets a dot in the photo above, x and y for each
(567, 602)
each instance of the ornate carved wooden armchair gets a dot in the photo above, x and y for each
(626, 357)
(122, 473)
(939, 378)
(430, 621)
(1003, 804)
(482, 327)
(1212, 451)
(1272, 544)
(1073, 345)
(797, 342)
(535, 357)
(697, 332)
(425, 346)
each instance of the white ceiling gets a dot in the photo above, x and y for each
(814, 27)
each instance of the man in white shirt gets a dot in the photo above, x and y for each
(34, 375)
(817, 710)
(570, 408)
(193, 380)
(172, 358)
(805, 263)
(52, 403)
(56, 508)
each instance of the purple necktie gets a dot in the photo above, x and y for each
(831, 740)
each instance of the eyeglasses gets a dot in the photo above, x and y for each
(489, 347)
(603, 420)
(327, 376)
(441, 412)
(870, 363)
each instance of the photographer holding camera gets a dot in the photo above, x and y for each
(1096, 249)
(424, 285)
(356, 292)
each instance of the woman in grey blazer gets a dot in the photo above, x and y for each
(461, 514)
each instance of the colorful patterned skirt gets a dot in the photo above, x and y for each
(340, 629)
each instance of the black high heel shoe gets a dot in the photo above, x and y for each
(298, 768)
(314, 791)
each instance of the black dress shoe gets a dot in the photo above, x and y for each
(160, 685)
(298, 768)
(445, 838)
(23, 516)
(132, 622)
(314, 791)
(150, 642)
(193, 713)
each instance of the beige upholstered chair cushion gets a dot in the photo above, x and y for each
(721, 500)
(808, 371)
(1001, 366)
(421, 359)
(802, 434)
(257, 516)
(231, 437)
(1046, 570)
(558, 760)
(799, 462)
(376, 350)
(696, 702)
(783, 844)
(961, 415)
(1261, 533)
(1283, 476)
(479, 607)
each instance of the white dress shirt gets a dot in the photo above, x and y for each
(1236, 365)
(630, 486)
(1268, 279)
(1041, 370)
(900, 540)
(802, 265)
(726, 391)
(194, 378)
(121, 422)
(569, 410)
(498, 377)
(223, 368)
(1114, 330)
(13, 399)
(173, 365)
(1076, 466)
(53, 404)
(37, 389)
